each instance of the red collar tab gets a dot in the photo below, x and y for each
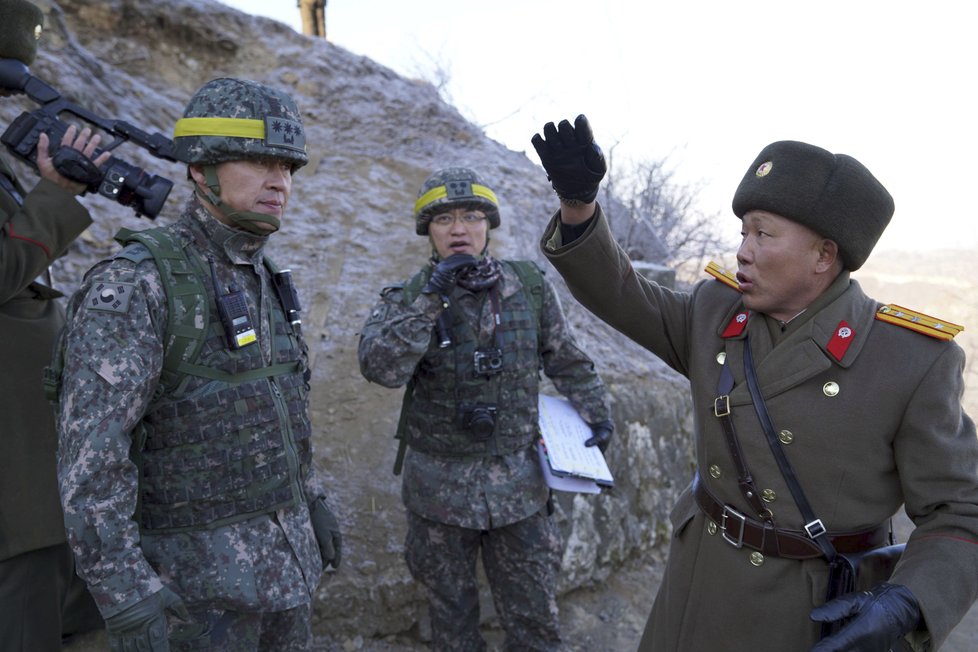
(841, 339)
(736, 325)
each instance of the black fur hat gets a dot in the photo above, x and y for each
(832, 194)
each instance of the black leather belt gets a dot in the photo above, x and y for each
(740, 530)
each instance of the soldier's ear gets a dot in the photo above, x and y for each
(828, 256)
(196, 174)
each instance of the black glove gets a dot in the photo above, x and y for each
(601, 434)
(443, 275)
(880, 617)
(573, 161)
(142, 627)
(327, 530)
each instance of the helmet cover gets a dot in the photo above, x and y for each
(453, 187)
(233, 119)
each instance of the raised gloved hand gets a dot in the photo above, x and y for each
(573, 161)
(601, 432)
(880, 617)
(142, 626)
(444, 274)
(327, 530)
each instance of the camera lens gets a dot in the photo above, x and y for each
(478, 419)
(108, 189)
(481, 423)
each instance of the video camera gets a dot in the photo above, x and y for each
(127, 184)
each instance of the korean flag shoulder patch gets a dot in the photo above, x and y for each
(111, 296)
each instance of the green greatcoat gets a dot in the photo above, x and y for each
(894, 433)
(31, 237)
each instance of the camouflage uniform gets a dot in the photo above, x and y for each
(269, 562)
(493, 501)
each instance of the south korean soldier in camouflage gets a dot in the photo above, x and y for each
(469, 335)
(185, 462)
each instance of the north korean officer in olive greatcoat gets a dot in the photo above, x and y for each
(41, 598)
(864, 405)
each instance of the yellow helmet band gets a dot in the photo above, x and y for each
(233, 127)
(440, 192)
(272, 131)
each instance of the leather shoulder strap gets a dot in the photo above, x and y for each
(813, 525)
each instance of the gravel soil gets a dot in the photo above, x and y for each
(608, 617)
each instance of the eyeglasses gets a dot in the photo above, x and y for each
(468, 219)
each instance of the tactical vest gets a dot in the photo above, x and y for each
(226, 437)
(446, 387)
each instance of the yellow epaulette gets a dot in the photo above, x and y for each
(918, 321)
(722, 275)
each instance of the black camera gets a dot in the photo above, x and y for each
(488, 361)
(125, 183)
(479, 419)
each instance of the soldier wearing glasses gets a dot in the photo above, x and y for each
(469, 335)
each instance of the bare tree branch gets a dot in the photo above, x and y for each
(655, 218)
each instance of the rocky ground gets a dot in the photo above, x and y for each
(606, 618)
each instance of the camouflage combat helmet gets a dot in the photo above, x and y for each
(451, 186)
(233, 119)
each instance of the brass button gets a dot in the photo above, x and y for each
(769, 496)
(711, 528)
(715, 472)
(721, 356)
(757, 559)
(830, 389)
(786, 436)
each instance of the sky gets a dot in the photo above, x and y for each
(706, 84)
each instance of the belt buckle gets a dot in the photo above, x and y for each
(739, 541)
(815, 529)
(721, 406)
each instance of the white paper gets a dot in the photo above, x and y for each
(565, 482)
(564, 433)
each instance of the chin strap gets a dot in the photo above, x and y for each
(244, 219)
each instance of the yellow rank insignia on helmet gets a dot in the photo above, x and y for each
(722, 275)
(918, 321)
